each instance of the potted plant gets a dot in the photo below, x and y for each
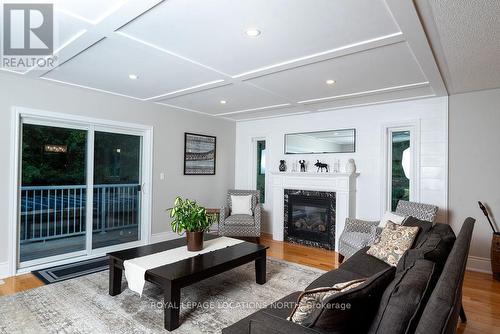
(191, 218)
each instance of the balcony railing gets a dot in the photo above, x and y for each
(52, 212)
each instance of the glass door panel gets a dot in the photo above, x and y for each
(117, 189)
(261, 169)
(53, 192)
(400, 167)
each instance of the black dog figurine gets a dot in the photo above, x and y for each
(302, 165)
(321, 166)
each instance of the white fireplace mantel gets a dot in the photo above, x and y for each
(344, 185)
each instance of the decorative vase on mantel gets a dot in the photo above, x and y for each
(282, 166)
(350, 167)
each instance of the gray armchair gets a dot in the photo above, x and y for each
(358, 233)
(241, 225)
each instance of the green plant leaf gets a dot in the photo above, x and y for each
(189, 216)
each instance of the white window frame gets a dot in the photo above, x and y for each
(22, 115)
(253, 177)
(386, 190)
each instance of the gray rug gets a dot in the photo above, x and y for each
(82, 305)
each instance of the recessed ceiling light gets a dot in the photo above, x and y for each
(133, 76)
(330, 82)
(223, 101)
(253, 32)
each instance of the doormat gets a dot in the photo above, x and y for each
(72, 270)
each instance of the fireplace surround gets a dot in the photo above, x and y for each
(342, 184)
(309, 218)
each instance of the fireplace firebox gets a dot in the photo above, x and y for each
(310, 218)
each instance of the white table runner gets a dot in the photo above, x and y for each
(135, 269)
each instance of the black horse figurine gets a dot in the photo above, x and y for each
(321, 166)
(302, 165)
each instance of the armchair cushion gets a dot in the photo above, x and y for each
(237, 219)
(241, 205)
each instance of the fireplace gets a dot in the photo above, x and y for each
(310, 218)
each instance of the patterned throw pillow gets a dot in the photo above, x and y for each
(393, 242)
(311, 300)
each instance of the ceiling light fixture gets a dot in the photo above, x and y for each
(133, 76)
(253, 32)
(330, 82)
(223, 101)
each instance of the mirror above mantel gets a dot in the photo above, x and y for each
(321, 142)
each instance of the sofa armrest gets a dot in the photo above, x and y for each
(224, 213)
(257, 214)
(358, 225)
(270, 324)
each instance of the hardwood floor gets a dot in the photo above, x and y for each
(481, 294)
(309, 256)
(19, 283)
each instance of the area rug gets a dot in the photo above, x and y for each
(82, 305)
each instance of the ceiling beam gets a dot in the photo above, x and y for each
(95, 33)
(406, 15)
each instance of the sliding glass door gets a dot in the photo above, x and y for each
(80, 190)
(53, 190)
(117, 189)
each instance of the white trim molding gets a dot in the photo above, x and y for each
(5, 270)
(479, 264)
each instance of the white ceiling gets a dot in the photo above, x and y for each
(191, 54)
(101, 67)
(465, 36)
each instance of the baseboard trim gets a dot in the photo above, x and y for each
(4, 270)
(480, 264)
(163, 236)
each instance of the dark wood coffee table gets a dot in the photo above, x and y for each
(174, 276)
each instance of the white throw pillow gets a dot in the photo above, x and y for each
(241, 205)
(393, 217)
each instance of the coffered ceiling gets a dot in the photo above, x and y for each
(203, 56)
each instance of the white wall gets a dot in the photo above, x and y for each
(368, 122)
(169, 127)
(474, 160)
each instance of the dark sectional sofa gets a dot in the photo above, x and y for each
(422, 294)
